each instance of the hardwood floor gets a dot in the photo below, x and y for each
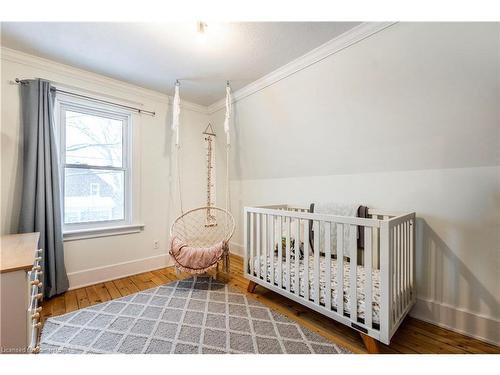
(414, 336)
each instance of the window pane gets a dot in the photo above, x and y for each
(93, 140)
(93, 195)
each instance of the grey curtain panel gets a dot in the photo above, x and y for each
(41, 196)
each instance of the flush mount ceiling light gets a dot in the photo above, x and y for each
(210, 35)
(201, 31)
(201, 27)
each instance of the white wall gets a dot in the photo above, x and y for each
(92, 260)
(405, 120)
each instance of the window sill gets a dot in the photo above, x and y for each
(83, 234)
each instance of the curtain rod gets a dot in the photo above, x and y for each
(138, 110)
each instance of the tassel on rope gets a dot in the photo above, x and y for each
(176, 110)
(228, 113)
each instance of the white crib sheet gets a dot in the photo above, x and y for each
(361, 277)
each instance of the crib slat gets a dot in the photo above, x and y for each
(246, 238)
(340, 269)
(403, 263)
(368, 276)
(317, 250)
(271, 247)
(375, 249)
(403, 281)
(385, 279)
(306, 261)
(287, 252)
(396, 283)
(400, 273)
(258, 241)
(412, 256)
(265, 247)
(393, 276)
(328, 266)
(408, 261)
(395, 272)
(251, 257)
(403, 266)
(266, 251)
(280, 251)
(297, 258)
(353, 267)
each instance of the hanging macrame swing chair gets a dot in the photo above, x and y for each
(199, 238)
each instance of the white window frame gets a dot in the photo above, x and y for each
(75, 231)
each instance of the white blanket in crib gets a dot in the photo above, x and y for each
(339, 209)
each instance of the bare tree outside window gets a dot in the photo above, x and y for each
(94, 168)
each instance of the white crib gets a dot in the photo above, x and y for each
(384, 274)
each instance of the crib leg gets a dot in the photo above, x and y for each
(251, 286)
(370, 343)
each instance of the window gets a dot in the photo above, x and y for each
(95, 163)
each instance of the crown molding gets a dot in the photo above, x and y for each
(350, 37)
(329, 48)
(72, 72)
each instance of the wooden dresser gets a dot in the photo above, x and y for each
(20, 293)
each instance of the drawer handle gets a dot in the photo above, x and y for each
(38, 296)
(39, 251)
(36, 349)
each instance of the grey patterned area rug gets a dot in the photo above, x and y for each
(197, 315)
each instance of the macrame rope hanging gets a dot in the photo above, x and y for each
(228, 137)
(176, 111)
(228, 113)
(191, 230)
(228, 142)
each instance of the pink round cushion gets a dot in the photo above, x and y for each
(195, 259)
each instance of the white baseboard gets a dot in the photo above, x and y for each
(236, 249)
(481, 327)
(115, 271)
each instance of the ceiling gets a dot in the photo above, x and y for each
(154, 55)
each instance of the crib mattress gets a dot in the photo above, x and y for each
(361, 277)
